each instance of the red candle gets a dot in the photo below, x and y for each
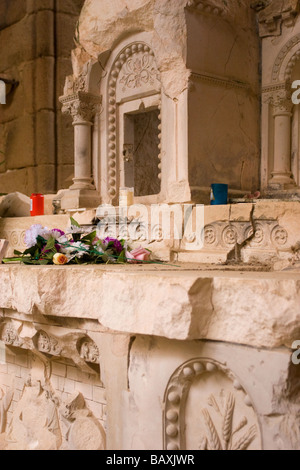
(36, 204)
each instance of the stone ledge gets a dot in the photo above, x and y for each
(253, 308)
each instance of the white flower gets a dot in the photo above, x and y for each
(78, 248)
(81, 249)
(34, 231)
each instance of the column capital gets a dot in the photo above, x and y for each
(280, 98)
(82, 106)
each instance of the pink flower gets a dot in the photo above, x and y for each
(138, 255)
(95, 241)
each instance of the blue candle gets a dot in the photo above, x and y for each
(219, 194)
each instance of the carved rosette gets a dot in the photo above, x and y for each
(279, 236)
(207, 408)
(133, 68)
(266, 234)
(81, 106)
(210, 235)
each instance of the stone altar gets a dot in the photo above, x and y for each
(206, 364)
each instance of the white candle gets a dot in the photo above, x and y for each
(126, 197)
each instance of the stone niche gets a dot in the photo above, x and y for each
(279, 29)
(178, 87)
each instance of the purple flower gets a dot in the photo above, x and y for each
(116, 243)
(57, 233)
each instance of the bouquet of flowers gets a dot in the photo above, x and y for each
(46, 247)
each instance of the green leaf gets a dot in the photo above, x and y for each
(74, 223)
(10, 260)
(50, 243)
(89, 237)
(122, 257)
(29, 261)
(16, 252)
(31, 251)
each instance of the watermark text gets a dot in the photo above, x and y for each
(296, 354)
(2, 92)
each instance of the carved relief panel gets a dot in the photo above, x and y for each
(206, 408)
(43, 421)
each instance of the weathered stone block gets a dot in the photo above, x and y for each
(20, 139)
(71, 7)
(23, 180)
(45, 33)
(37, 5)
(44, 91)
(18, 50)
(65, 140)
(11, 11)
(65, 33)
(65, 176)
(15, 205)
(45, 137)
(46, 177)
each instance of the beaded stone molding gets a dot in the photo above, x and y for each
(137, 64)
(225, 420)
(284, 51)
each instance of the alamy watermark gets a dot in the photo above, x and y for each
(158, 222)
(2, 92)
(296, 354)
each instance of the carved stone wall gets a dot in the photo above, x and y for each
(206, 408)
(52, 393)
(211, 396)
(133, 76)
(35, 138)
(279, 128)
(273, 14)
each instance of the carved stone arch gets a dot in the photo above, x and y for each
(206, 407)
(132, 74)
(290, 67)
(285, 60)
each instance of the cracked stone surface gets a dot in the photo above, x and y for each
(102, 24)
(257, 309)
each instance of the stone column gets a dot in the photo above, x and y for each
(83, 107)
(281, 175)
